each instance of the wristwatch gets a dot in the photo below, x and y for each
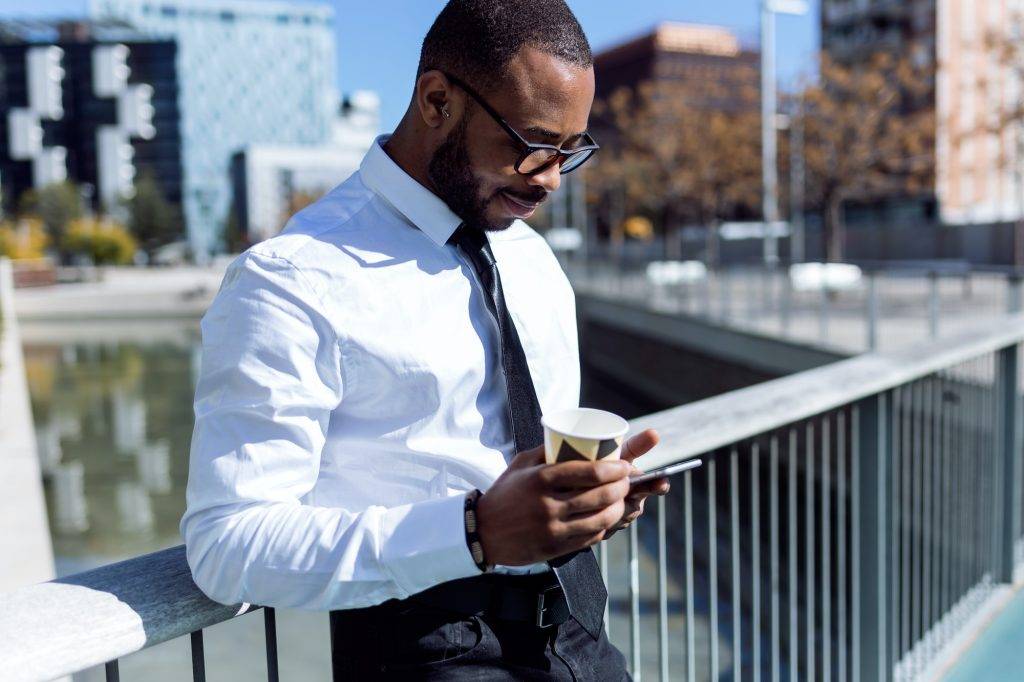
(476, 549)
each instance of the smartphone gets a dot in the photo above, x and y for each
(664, 471)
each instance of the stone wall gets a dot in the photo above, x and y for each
(26, 553)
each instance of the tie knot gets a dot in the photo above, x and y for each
(474, 244)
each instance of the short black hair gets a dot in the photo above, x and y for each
(476, 39)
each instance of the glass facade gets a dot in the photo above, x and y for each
(92, 103)
(249, 72)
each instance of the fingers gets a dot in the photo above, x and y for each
(639, 444)
(528, 458)
(658, 486)
(568, 475)
(634, 509)
(595, 522)
(575, 502)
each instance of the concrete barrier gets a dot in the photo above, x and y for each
(26, 553)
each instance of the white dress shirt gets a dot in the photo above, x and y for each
(351, 391)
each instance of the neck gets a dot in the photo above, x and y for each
(406, 150)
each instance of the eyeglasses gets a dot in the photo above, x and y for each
(535, 158)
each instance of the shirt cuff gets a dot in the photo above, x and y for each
(424, 544)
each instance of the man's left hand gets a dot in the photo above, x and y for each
(634, 447)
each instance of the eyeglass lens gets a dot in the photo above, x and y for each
(540, 159)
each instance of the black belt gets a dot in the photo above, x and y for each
(536, 599)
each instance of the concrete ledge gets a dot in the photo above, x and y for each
(26, 554)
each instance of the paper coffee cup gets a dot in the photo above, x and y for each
(583, 433)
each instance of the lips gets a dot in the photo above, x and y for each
(518, 207)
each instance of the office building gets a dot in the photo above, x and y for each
(682, 53)
(980, 175)
(250, 73)
(90, 102)
(270, 180)
(854, 29)
(977, 170)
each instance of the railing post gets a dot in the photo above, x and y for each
(823, 314)
(872, 311)
(710, 280)
(1008, 501)
(767, 291)
(725, 295)
(871, 565)
(1013, 297)
(787, 302)
(933, 304)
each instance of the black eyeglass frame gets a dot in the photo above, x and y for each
(560, 157)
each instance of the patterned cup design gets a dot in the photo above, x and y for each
(583, 434)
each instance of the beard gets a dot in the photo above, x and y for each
(451, 172)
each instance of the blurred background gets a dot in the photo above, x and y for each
(781, 184)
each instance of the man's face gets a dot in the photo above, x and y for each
(546, 100)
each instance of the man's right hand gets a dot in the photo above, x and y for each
(535, 511)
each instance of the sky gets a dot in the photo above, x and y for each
(379, 40)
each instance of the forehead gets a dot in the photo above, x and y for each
(544, 90)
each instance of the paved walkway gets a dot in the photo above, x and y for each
(124, 292)
(909, 308)
(998, 653)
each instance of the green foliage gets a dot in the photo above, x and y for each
(56, 205)
(105, 241)
(153, 220)
(26, 239)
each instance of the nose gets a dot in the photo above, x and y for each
(549, 178)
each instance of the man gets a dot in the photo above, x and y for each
(367, 372)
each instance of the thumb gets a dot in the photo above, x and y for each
(528, 458)
(640, 444)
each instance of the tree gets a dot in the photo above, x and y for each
(104, 242)
(999, 122)
(869, 132)
(683, 151)
(152, 219)
(56, 205)
(25, 239)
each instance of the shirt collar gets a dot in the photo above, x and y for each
(419, 205)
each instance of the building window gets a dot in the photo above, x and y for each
(227, 15)
(169, 11)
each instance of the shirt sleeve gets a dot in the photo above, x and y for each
(270, 377)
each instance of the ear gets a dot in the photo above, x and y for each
(436, 100)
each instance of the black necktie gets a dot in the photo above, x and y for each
(578, 573)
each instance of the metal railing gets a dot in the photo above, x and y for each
(848, 523)
(891, 306)
(97, 617)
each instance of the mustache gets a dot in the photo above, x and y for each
(532, 198)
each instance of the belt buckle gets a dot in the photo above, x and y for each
(543, 608)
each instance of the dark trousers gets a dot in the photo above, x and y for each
(401, 640)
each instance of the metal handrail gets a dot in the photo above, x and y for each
(699, 427)
(67, 625)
